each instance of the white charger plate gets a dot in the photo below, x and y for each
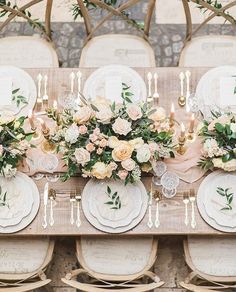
(30, 217)
(94, 221)
(202, 193)
(95, 84)
(208, 89)
(131, 197)
(19, 198)
(214, 202)
(22, 80)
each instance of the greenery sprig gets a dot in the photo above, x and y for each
(229, 197)
(114, 199)
(19, 99)
(3, 198)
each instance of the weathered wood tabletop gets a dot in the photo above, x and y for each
(171, 210)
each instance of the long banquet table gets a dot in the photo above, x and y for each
(171, 210)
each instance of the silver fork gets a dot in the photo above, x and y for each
(186, 202)
(149, 79)
(78, 199)
(150, 223)
(192, 199)
(157, 196)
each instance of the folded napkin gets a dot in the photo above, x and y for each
(185, 166)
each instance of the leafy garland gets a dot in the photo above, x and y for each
(34, 23)
(215, 4)
(76, 12)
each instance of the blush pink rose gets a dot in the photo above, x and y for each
(90, 147)
(134, 111)
(83, 129)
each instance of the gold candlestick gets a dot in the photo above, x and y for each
(182, 139)
(191, 135)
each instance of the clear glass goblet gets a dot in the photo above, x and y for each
(159, 168)
(67, 100)
(169, 182)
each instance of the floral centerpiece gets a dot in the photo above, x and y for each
(219, 142)
(119, 141)
(14, 143)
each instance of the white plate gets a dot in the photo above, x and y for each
(93, 221)
(208, 89)
(24, 81)
(19, 199)
(28, 219)
(131, 204)
(202, 193)
(95, 84)
(214, 202)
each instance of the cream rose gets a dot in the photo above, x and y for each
(143, 153)
(100, 170)
(83, 115)
(122, 152)
(136, 143)
(113, 142)
(158, 115)
(121, 126)
(128, 164)
(134, 111)
(104, 114)
(82, 156)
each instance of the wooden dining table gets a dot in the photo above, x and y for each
(171, 210)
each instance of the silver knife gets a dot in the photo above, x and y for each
(45, 202)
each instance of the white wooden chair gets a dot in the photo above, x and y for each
(124, 49)
(212, 261)
(115, 264)
(28, 51)
(23, 263)
(208, 51)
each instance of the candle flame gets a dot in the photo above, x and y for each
(193, 117)
(182, 127)
(30, 114)
(55, 104)
(172, 107)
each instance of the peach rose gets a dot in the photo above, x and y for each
(100, 170)
(128, 164)
(121, 126)
(83, 115)
(134, 111)
(82, 156)
(122, 174)
(158, 115)
(122, 152)
(90, 147)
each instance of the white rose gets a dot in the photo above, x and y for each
(83, 114)
(136, 143)
(158, 115)
(143, 153)
(82, 156)
(104, 114)
(100, 170)
(72, 134)
(134, 111)
(121, 126)
(233, 127)
(226, 166)
(128, 164)
(113, 142)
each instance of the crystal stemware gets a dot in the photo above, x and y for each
(169, 182)
(159, 168)
(67, 99)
